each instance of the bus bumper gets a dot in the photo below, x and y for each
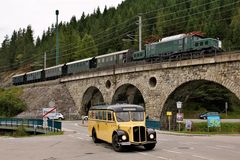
(136, 143)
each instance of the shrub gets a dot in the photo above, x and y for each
(10, 104)
(20, 132)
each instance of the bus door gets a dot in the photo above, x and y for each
(110, 126)
(106, 126)
(100, 125)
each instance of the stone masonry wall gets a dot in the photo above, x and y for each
(168, 79)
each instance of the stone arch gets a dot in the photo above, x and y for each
(128, 93)
(92, 96)
(170, 101)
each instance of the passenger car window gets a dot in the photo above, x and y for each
(109, 116)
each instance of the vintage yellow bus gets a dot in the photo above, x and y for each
(120, 124)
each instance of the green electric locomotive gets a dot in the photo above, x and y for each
(174, 46)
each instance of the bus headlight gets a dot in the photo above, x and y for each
(151, 136)
(124, 137)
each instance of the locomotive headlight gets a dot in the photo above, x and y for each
(151, 136)
(124, 137)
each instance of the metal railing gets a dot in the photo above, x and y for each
(153, 124)
(36, 125)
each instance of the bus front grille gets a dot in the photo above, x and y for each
(139, 134)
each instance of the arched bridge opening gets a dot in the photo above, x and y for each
(128, 93)
(91, 97)
(200, 96)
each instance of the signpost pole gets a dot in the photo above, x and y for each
(169, 123)
(179, 121)
(179, 106)
(169, 114)
(226, 108)
(53, 125)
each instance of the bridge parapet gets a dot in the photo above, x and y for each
(35, 125)
(143, 66)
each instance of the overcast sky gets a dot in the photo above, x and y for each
(40, 14)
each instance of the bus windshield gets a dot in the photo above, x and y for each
(127, 116)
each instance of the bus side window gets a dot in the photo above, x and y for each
(109, 116)
(96, 114)
(112, 113)
(104, 115)
(100, 115)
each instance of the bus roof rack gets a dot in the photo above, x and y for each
(119, 107)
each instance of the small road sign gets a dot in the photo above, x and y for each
(179, 117)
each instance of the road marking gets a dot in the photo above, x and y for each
(201, 157)
(213, 147)
(229, 147)
(79, 138)
(164, 158)
(172, 151)
(146, 154)
(68, 130)
(188, 143)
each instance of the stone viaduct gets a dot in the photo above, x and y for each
(151, 84)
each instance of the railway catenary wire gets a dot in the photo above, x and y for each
(180, 28)
(144, 25)
(198, 13)
(192, 14)
(77, 46)
(187, 9)
(216, 20)
(152, 24)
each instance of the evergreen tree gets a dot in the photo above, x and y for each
(87, 48)
(235, 29)
(218, 19)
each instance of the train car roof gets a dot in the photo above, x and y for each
(81, 60)
(111, 54)
(17, 75)
(34, 71)
(60, 65)
(171, 38)
(119, 107)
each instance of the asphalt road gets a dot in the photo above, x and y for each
(75, 144)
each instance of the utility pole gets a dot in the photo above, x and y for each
(226, 108)
(57, 47)
(140, 32)
(45, 60)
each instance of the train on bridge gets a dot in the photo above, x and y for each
(182, 46)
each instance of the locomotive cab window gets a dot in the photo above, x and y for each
(122, 125)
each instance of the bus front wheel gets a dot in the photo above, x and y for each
(116, 146)
(94, 136)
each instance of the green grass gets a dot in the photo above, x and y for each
(52, 133)
(202, 128)
(22, 132)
